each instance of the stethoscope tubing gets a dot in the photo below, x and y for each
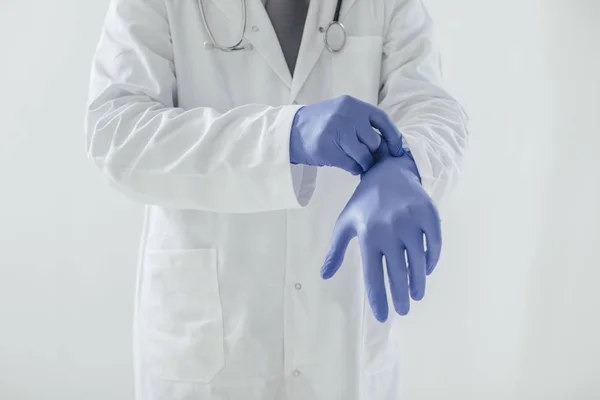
(238, 45)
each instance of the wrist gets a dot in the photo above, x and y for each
(404, 164)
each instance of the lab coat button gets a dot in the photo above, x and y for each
(298, 286)
(255, 28)
(296, 373)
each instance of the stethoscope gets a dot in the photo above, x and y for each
(334, 34)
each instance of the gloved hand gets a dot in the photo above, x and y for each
(339, 133)
(389, 212)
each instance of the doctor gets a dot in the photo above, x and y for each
(284, 151)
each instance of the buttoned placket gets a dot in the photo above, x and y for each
(297, 349)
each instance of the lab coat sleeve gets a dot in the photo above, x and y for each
(235, 161)
(432, 122)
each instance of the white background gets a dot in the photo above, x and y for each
(512, 313)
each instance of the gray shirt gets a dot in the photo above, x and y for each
(288, 18)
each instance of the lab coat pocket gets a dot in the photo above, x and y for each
(181, 315)
(356, 69)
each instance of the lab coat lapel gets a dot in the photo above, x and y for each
(259, 32)
(320, 13)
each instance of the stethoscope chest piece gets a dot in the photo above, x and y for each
(334, 36)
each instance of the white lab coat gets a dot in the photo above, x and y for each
(229, 301)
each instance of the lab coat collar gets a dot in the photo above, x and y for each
(259, 32)
(320, 14)
(264, 39)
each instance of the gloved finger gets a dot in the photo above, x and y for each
(357, 152)
(342, 234)
(382, 152)
(369, 137)
(398, 276)
(433, 234)
(416, 266)
(384, 124)
(374, 282)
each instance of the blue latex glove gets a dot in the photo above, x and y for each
(339, 133)
(389, 213)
